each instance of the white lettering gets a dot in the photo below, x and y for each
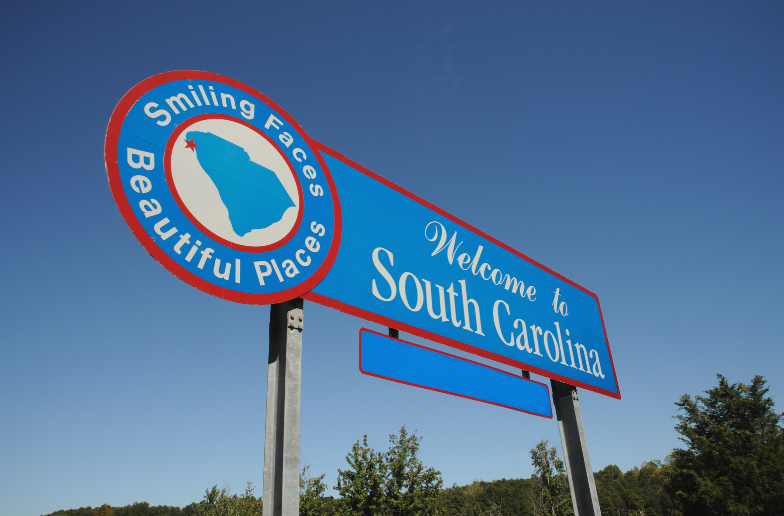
(429, 295)
(159, 229)
(184, 239)
(247, 109)
(380, 268)
(143, 159)
(178, 99)
(560, 343)
(524, 334)
(463, 261)
(291, 269)
(225, 96)
(555, 345)
(205, 255)
(559, 308)
(452, 295)
(404, 297)
(157, 113)
(195, 97)
(277, 271)
(273, 121)
(498, 323)
(312, 244)
(442, 242)
(536, 331)
(597, 367)
(298, 256)
(140, 184)
(216, 268)
(204, 95)
(286, 139)
(467, 301)
(577, 348)
(318, 229)
(264, 274)
(149, 209)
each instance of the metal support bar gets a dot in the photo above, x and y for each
(585, 501)
(284, 387)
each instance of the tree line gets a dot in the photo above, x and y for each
(731, 463)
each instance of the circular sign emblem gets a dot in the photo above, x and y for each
(222, 187)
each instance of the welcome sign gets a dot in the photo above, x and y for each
(406, 264)
(227, 191)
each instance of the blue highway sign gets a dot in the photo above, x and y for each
(408, 265)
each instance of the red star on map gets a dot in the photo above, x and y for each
(190, 145)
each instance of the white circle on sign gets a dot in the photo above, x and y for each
(223, 171)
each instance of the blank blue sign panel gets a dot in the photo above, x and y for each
(404, 362)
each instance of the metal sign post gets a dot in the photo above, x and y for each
(585, 501)
(284, 388)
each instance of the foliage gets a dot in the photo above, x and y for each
(312, 501)
(639, 491)
(192, 509)
(223, 503)
(497, 498)
(103, 510)
(733, 462)
(361, 487)
(411, 488)
(136, 509)
(81, 511)
(395, 483)
(145, 509)
(550, 489)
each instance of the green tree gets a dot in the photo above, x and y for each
(411, 488)
(550, 490)
(192, 509)
(507, 497)
(638, 491)
(135, 509)
(223, 503)
(312, 501)
(733, 463)
(395, 483)
(361, 487)
(145, 509)
(103, 510)
(81, 511)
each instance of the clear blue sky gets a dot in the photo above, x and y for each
(636, 148)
